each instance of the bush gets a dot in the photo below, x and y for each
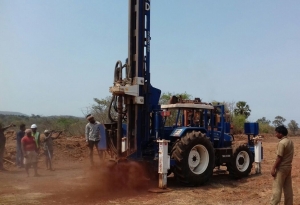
(265, 128)
(238, 124)
(71, 126)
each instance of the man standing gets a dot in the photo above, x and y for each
(2, 144)
(48, 147)
(29, 150)
(36, 135)
(92, 136)
(282, 168)
(20, 135)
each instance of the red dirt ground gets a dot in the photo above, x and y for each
(74, 182)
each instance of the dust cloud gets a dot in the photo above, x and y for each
(110, 180)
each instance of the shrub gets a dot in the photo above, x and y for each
(266, 128)
(238, 124)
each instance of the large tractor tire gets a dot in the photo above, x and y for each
(195, 159)
(173, 148)
(241, 163)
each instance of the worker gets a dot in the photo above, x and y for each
(36, 135)
(19, 157)
(29, 150)
(92, 136)
(48, 147)
(2, 144)
(282, 168)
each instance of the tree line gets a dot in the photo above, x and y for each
(71, 126)
(238, 113)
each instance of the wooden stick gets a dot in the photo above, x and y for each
(9, 161)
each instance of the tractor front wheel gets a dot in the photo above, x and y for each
(241, 163)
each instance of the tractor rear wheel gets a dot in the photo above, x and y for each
(241, 163)
(195, 159)
(170, 171)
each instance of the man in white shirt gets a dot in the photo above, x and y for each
(92, 136)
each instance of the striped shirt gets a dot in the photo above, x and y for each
(92, 131)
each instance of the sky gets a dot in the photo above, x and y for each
(56, 56)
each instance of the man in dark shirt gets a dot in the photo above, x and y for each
(48, 147)
(20, 135)
(2, 144)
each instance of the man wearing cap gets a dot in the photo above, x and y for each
(48, 147)
(2, 144)
(29, 150)
(92, 136)
(36, 135)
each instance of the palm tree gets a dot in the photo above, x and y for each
(242, 109)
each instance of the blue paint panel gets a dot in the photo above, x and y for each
(186, 129)
(217, 137)
(226, 127)
(167, 132)
(103, 141)
(124, 127)
(172, 162)
(251, 148)
(251, 128)
(155, 95)
(102, 145)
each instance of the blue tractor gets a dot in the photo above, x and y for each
(199, 138)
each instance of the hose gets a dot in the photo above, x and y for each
(112, 147)
(115, 104)
(118, 71)
(109, 108)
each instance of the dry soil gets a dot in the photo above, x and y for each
(75, 182)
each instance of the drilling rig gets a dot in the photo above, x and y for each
(199, 139)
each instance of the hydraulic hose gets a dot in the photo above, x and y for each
(109, 108)
(118, 71)
(119, 124)
(112, 147)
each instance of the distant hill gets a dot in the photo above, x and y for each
(64, 116)
(12, 113)
(38, 116)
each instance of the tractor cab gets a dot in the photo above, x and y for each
(193, 115)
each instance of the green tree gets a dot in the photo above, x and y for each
(242, 109)
(263, 120)
(278, 121)
(70, 125)
(64, 122)
(165, 97)
(293, 126)
(214, 103)
(230, 106)
(266, 128)
(101, 108)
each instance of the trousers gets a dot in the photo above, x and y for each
(91, 146)
(19, 156)
(282, 181)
